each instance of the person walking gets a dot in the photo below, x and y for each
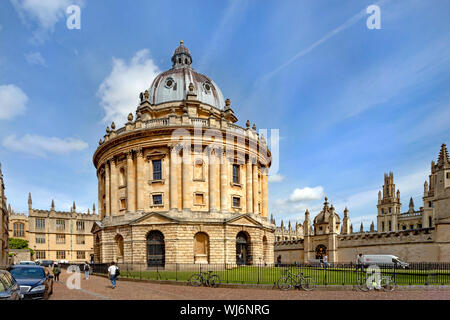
(359, 262)
(113, 273)
(56, 271)
(325, 262)
(87, 270)
(279, 261)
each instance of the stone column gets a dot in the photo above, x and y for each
(265, 193)
(140, 179)
(107, 188)
(224, 182)
(212, 165)
(187, 168)
(249, 187)
(173, 177)
(255, 188)
(114, 200)
(131, 183)
(100, 193)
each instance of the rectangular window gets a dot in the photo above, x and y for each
(419, 226)
(382, 226)
(60, 238)
(80, 225)
(198, 198)
(40, 223)
(19, 230)
(157, 174)
(236, 173)
(390, 226)
(40, 254)
(157, 200)
(81, 255)
(40, 238)
(236, 202)
(411, 226)
(123, 204)
(430, 222)
(60, 224)
(60, 254)
(80, 239)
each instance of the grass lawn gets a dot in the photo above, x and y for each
(270, 275)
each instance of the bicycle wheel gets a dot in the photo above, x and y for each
(387, 284)
(284, 283)
(362, 284)
(196, 280)
(214, 281)
(308, 283)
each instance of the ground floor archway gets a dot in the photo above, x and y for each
(156, 251)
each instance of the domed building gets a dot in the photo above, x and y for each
(181, 182)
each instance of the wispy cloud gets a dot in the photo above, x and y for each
(224, 30)
(35, 58)
(43, 146)
(120, 90)
(350, 22)
(13, 101)
(42, 13)
(276, 178)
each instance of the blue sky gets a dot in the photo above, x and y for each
(350, 103)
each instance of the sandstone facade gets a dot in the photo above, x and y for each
(180, 182)
(55, 235)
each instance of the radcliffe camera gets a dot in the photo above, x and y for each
(195, 153)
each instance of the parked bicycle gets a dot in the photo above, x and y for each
(386, 283)
(206, 278)
(293, 280)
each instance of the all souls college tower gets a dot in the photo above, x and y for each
(180, 182)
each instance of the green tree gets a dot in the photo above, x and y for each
(15, 243)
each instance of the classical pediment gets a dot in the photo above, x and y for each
(97, 226)
(244, 220)
(153, 218)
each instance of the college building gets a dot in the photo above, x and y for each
(421, 235)
(55, 235)
(181, 182)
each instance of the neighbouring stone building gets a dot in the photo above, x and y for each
(55, 235)
(3, 224)
(180, 182)
(414, 235)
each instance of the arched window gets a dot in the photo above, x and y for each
(201, 248)
(119, 248)
(265, 249)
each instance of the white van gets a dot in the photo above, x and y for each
(383, 260)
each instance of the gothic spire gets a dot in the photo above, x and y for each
(443, 155)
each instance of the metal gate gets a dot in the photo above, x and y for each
(155, 249)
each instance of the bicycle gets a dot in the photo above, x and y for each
(307, 283)
(206, 278)
(386, 283)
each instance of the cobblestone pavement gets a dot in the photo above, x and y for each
(100, 288)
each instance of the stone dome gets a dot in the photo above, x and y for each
(173, 84)
(324, 215)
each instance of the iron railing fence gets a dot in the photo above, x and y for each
(423, 273)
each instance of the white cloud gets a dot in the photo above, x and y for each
(306, 194)
(275, 178)
(44, 13)
(42, 146)
(120, 90)
(12, 101)
(35, 58)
